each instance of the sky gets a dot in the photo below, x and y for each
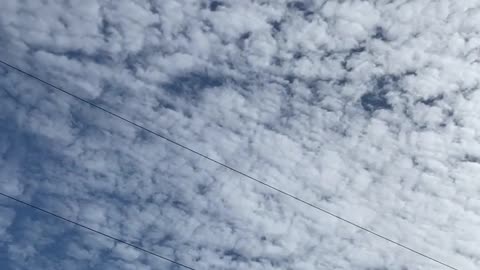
(368, 109)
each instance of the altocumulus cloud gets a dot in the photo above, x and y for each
(367, 108)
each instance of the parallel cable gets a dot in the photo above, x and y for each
(227, 166)
(96, 231)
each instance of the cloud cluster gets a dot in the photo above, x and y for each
(366, 108)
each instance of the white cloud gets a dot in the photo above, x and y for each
(366, 108)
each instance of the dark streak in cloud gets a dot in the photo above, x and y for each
(192, 84)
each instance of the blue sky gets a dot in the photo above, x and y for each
(367, 108)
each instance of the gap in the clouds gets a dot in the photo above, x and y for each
(471, 158)
(153, 7)
(235, 255)
(298, 55)
(133, 61)
(342, 82)
(300, 6)
(380, 33)
(276, 27)
(431, 100)
(98, 57)
(277, 61)
(376, 99)
(387, 81)
(372, 101)
(290, 79)
(214, 5)
(243, 39)
(162, 103)
(203, 189)
(357, 50)
(105, 28)
(191, 85)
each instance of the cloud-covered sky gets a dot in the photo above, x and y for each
(369, 109)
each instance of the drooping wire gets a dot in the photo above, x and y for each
(95, 231)
(247, 176)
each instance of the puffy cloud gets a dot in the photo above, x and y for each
(366, 108)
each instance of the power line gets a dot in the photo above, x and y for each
(96, 231)
(227, 166)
